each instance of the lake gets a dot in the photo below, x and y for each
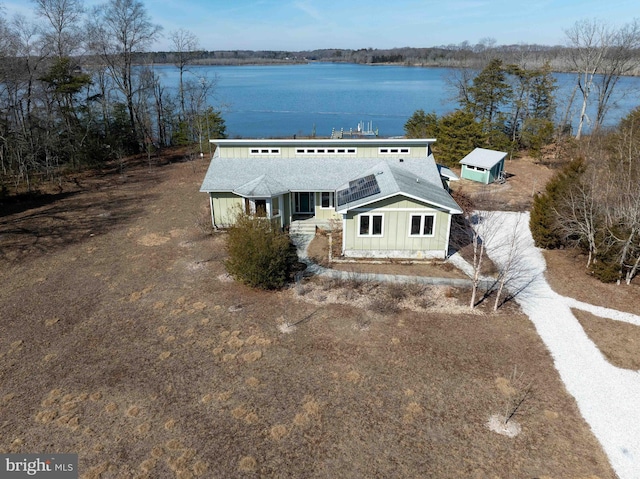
(286, 100)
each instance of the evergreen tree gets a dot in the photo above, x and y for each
(489, 93)
(458, 135)
(546, 208)
(422, 125)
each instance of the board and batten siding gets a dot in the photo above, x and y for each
(225, 206)
(324, 213)
(362, 151)
(395, 240)
(482, 176)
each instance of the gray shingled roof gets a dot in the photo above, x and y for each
(483, 158)
(272, 176)
(394, 180)
(261, 187)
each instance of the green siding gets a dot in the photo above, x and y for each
(486, 176)
(286, 200)
(396, 220)
(225, 206)
(363, 151)
(324, 213)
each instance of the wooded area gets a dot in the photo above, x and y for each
(72, 93)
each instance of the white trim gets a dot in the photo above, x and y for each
(395, 150)
(332, 150)
(213, 220)
(257, 151)
(332, 200)
(406, 195)
(394, 253)
(370, 234)
(322, 142)
(448, 237)
(422, 220)
(344, 233)
(426, 208)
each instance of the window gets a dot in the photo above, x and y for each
(261, 208)
(385, 150)
(275, 207)
(325, 151)
(422, 225)
(370, 225)
(264, 151)
(327, 199)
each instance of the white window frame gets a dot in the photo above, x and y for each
(261, 151)
(422, 221)
(393, 150)
(370, 232)
(331, 200)
(326, 151)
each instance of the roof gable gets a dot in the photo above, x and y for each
(262, 186)
(483, 158)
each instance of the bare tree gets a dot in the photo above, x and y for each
(185, 45)
(580, 215)
(600, 55)
(63, 18)
(485, 226)
(119, 30)
(509, 256)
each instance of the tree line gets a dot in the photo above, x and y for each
(72, 93)
(593, 204)
(503, 107)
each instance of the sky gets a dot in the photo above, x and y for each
(296, 25)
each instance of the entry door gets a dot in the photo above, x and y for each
(304, 202)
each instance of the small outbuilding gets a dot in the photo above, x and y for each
(482, 165)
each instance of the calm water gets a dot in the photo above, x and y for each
(287, 100)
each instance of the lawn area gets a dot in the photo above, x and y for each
(121, 340)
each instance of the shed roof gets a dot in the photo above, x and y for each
(483, 158)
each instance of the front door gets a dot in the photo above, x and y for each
(304, 202)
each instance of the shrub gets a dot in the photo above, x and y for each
(260, 255)
(545, 211)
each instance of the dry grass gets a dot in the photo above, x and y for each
(618, 341)
(568, 263)
(409, 393)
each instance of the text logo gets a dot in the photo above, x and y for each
(45, 466)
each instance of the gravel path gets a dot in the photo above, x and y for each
(608, 397)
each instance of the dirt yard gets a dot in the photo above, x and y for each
(525, 177)
(122, 341)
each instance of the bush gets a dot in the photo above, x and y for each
(546, 208)
(260, 255)
(606, 272)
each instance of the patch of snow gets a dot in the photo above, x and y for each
(286, 328)
(510, 429)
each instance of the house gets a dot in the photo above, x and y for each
(484, 166)
(388, 194)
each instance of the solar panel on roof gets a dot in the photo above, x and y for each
(358, 189)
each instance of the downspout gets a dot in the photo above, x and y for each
(446, 246)
(213, 223)
(344, 233)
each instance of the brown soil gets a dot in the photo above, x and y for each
(318, 251)
(617, 340)
(568, 276)
(525, 177)
(119, 342)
